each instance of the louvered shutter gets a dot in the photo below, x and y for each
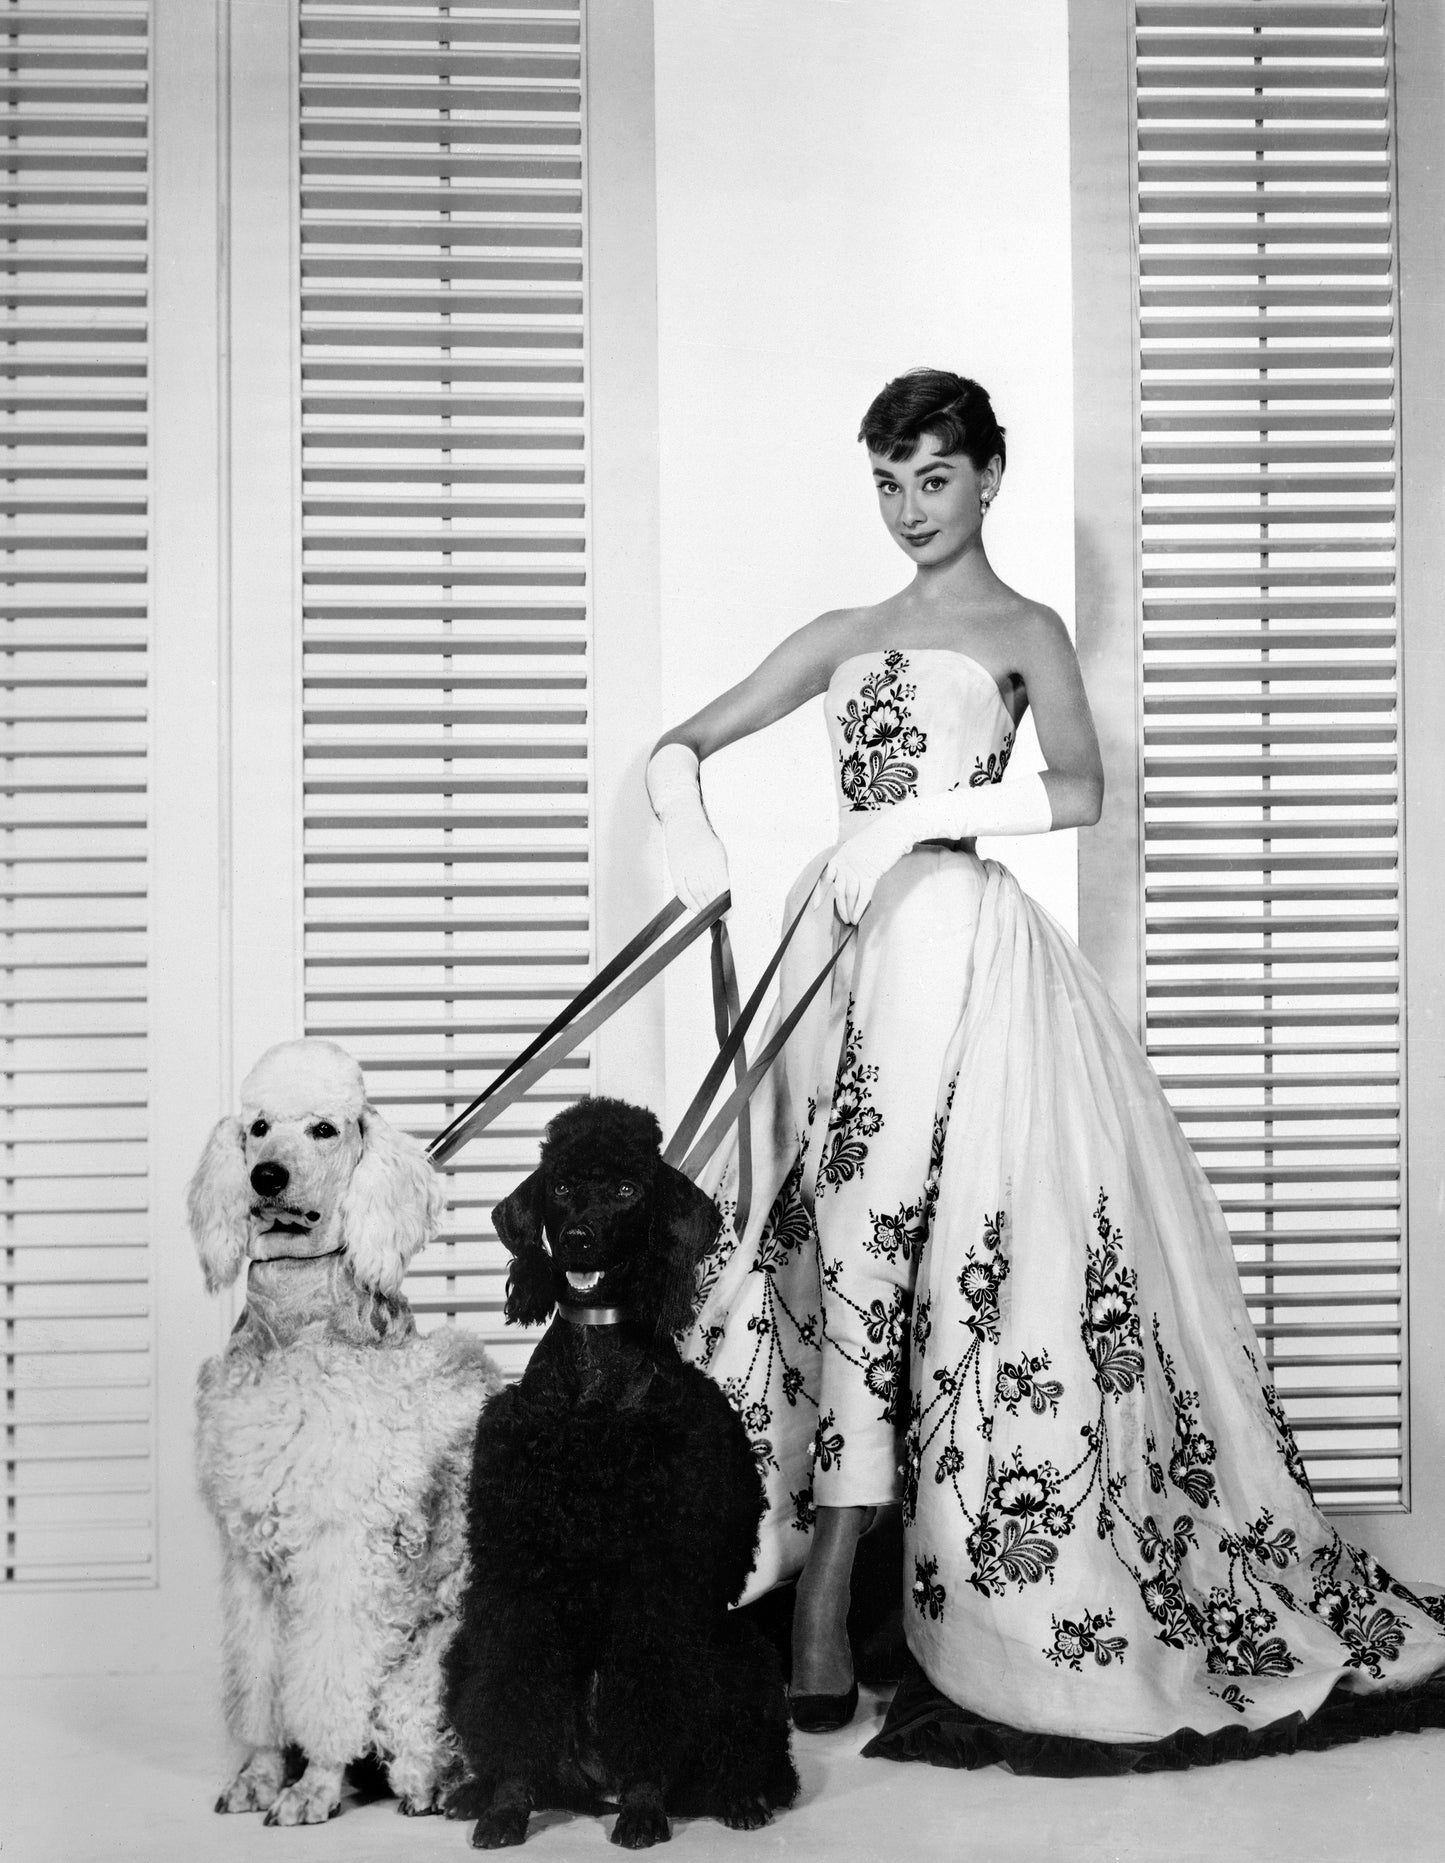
(445, 639)
(1270, 801)
(78, 1345)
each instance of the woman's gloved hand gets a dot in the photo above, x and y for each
(696, 860)
(853, 870)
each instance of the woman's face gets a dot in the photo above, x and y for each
(930, 502)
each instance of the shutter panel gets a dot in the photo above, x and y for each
(446, 723)
(78, 1352)
(1271, 807)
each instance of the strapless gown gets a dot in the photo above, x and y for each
(983, 1273)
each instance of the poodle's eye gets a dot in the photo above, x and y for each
(627, 1190)
(259, 1128)
(323, 1129)
(561, 1188)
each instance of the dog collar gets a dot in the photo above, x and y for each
(592, 1316)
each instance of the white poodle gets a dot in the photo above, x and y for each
(334, 1442)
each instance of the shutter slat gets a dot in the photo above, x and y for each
(1275, 110)
(1262, 201)
(1313, 46)
(1359, 15)
(1254, 173)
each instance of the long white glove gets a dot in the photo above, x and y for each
(696, 859)
(1018, 806)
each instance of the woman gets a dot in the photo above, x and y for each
(1112, 1548)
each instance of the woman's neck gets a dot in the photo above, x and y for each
(963, 577)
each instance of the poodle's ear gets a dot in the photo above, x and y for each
(685, 1224)
(517, 1219)
(218, 1203)
(393, 1204)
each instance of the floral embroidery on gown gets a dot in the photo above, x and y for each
(985, 1275)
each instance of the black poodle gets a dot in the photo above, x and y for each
(614, 1516)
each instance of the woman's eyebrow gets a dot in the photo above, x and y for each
(929, 466)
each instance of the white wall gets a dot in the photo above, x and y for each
(845, 190)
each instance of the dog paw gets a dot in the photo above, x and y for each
(500, 1827)
(748, 1814)
(423, 1805)
(256, 1786)
(467, 1799)
(639, 1827)
(309, 1801)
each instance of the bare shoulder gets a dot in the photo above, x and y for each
(814, 650)
(1040, 637)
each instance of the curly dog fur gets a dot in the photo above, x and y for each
(333, 1441)
(613, 1519)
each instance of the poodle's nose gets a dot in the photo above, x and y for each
(579, 1235)
(269, 1179)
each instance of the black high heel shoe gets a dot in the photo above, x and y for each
(824, 1714)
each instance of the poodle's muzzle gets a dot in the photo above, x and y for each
(282, 1228)
(593, 1228)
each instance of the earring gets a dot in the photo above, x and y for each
(985, 499)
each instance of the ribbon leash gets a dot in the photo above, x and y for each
(611, 988)
(588, 1010)
(676, 1148)
(587, 994)
(725, 1018)
(743, 1092)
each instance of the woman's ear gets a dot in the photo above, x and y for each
(685, 1224)
(393, 1204)
(518, 1220)
(218, 1204)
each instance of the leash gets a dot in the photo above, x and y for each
(731, 1053)
(588, 1010)
(611, 988)
(727, 1023)
(747, 1086)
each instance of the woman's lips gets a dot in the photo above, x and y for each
(919, 537)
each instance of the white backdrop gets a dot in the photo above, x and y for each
(845, 190)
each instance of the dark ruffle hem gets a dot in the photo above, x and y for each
(924, 1725)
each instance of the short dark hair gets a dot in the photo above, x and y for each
(933, 401)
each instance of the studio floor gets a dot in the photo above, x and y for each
(115, 1769)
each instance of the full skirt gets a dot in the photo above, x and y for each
(982, 1271)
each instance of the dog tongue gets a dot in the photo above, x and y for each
(583, 1283)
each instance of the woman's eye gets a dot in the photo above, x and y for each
(933, 485)
(323, 1129)
(259, 1128)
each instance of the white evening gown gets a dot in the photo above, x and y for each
(983, 1272)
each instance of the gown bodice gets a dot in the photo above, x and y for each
(913, 722)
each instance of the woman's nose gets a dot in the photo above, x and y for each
(912, 512)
